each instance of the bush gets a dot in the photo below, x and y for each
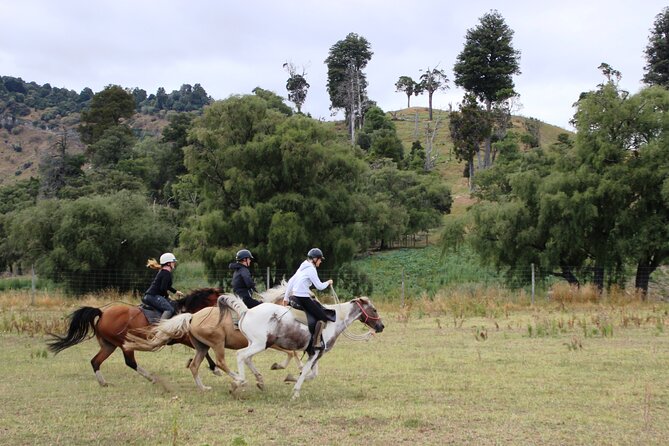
(352, 282)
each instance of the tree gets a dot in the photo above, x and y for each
(296, 85)
(112, 146)
(379, 136)
(59, 168)
(273, 100)
(347, 83)
(408, 86)
(106, 110)
(268, 180)
(278, 185)
(432, 80)
(469, 127)
(532, 138)
(486, 65)
(657, 51)
(90, 244)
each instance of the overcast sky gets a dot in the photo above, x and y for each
(232, 47)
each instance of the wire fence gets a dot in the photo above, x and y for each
(403, 281)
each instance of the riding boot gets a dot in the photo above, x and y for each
(166, 315)
(318, 330)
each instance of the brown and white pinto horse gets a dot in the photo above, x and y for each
(111, 324)
(275, 326)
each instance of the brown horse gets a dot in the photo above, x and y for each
(113, 323)
(208, 328)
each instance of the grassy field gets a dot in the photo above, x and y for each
(449, 370)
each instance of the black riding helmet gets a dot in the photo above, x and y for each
(315, 253)
(243, 254)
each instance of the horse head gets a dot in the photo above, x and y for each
(368, 314)
(198, 299)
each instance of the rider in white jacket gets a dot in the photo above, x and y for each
(298, 287)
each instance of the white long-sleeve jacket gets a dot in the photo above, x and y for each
(304, 277)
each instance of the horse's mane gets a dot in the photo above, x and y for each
(275, 293)
(193, 299)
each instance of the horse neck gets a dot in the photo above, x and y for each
(193, 305)
(347, 313)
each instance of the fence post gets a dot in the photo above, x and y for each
(532, 283)
(32, 287)
(268, 278)
(402, 303)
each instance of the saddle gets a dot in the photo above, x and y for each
(306, 318)
(151, 314)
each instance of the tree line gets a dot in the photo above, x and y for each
(18, 98)
(247, 172)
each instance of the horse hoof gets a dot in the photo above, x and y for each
(261, 386)
(276, 366)
(295, 396)
(205, 388)
(290, 379)
(217, 372)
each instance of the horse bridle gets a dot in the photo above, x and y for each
(367, 316)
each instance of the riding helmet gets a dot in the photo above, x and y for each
(167, 258)
(243, 254)
(315, 253)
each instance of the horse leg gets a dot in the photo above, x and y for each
(284, 364)
(106, 349)
(212, 365)
(244, 356)
(129, 356)
(219, 350)
(259, 379)
(201, 351)
(305, 370)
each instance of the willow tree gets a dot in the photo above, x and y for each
(275, 184)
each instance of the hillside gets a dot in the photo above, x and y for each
(410, 130)
(22, 147)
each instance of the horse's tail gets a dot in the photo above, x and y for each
(230, 301)
(81, 321)
(155, 337)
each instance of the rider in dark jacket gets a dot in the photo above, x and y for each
(156, 296)
(242, 282)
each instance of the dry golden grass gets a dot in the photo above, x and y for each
(470, 366)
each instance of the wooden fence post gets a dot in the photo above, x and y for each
(532, 283)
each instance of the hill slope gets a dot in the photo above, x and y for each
(412, 123)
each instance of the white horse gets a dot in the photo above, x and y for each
(270, 325)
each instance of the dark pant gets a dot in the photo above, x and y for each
(249, 301)
(313, 307)
(158, 302)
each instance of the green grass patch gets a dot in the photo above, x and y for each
(25, 283)
(425, 272)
